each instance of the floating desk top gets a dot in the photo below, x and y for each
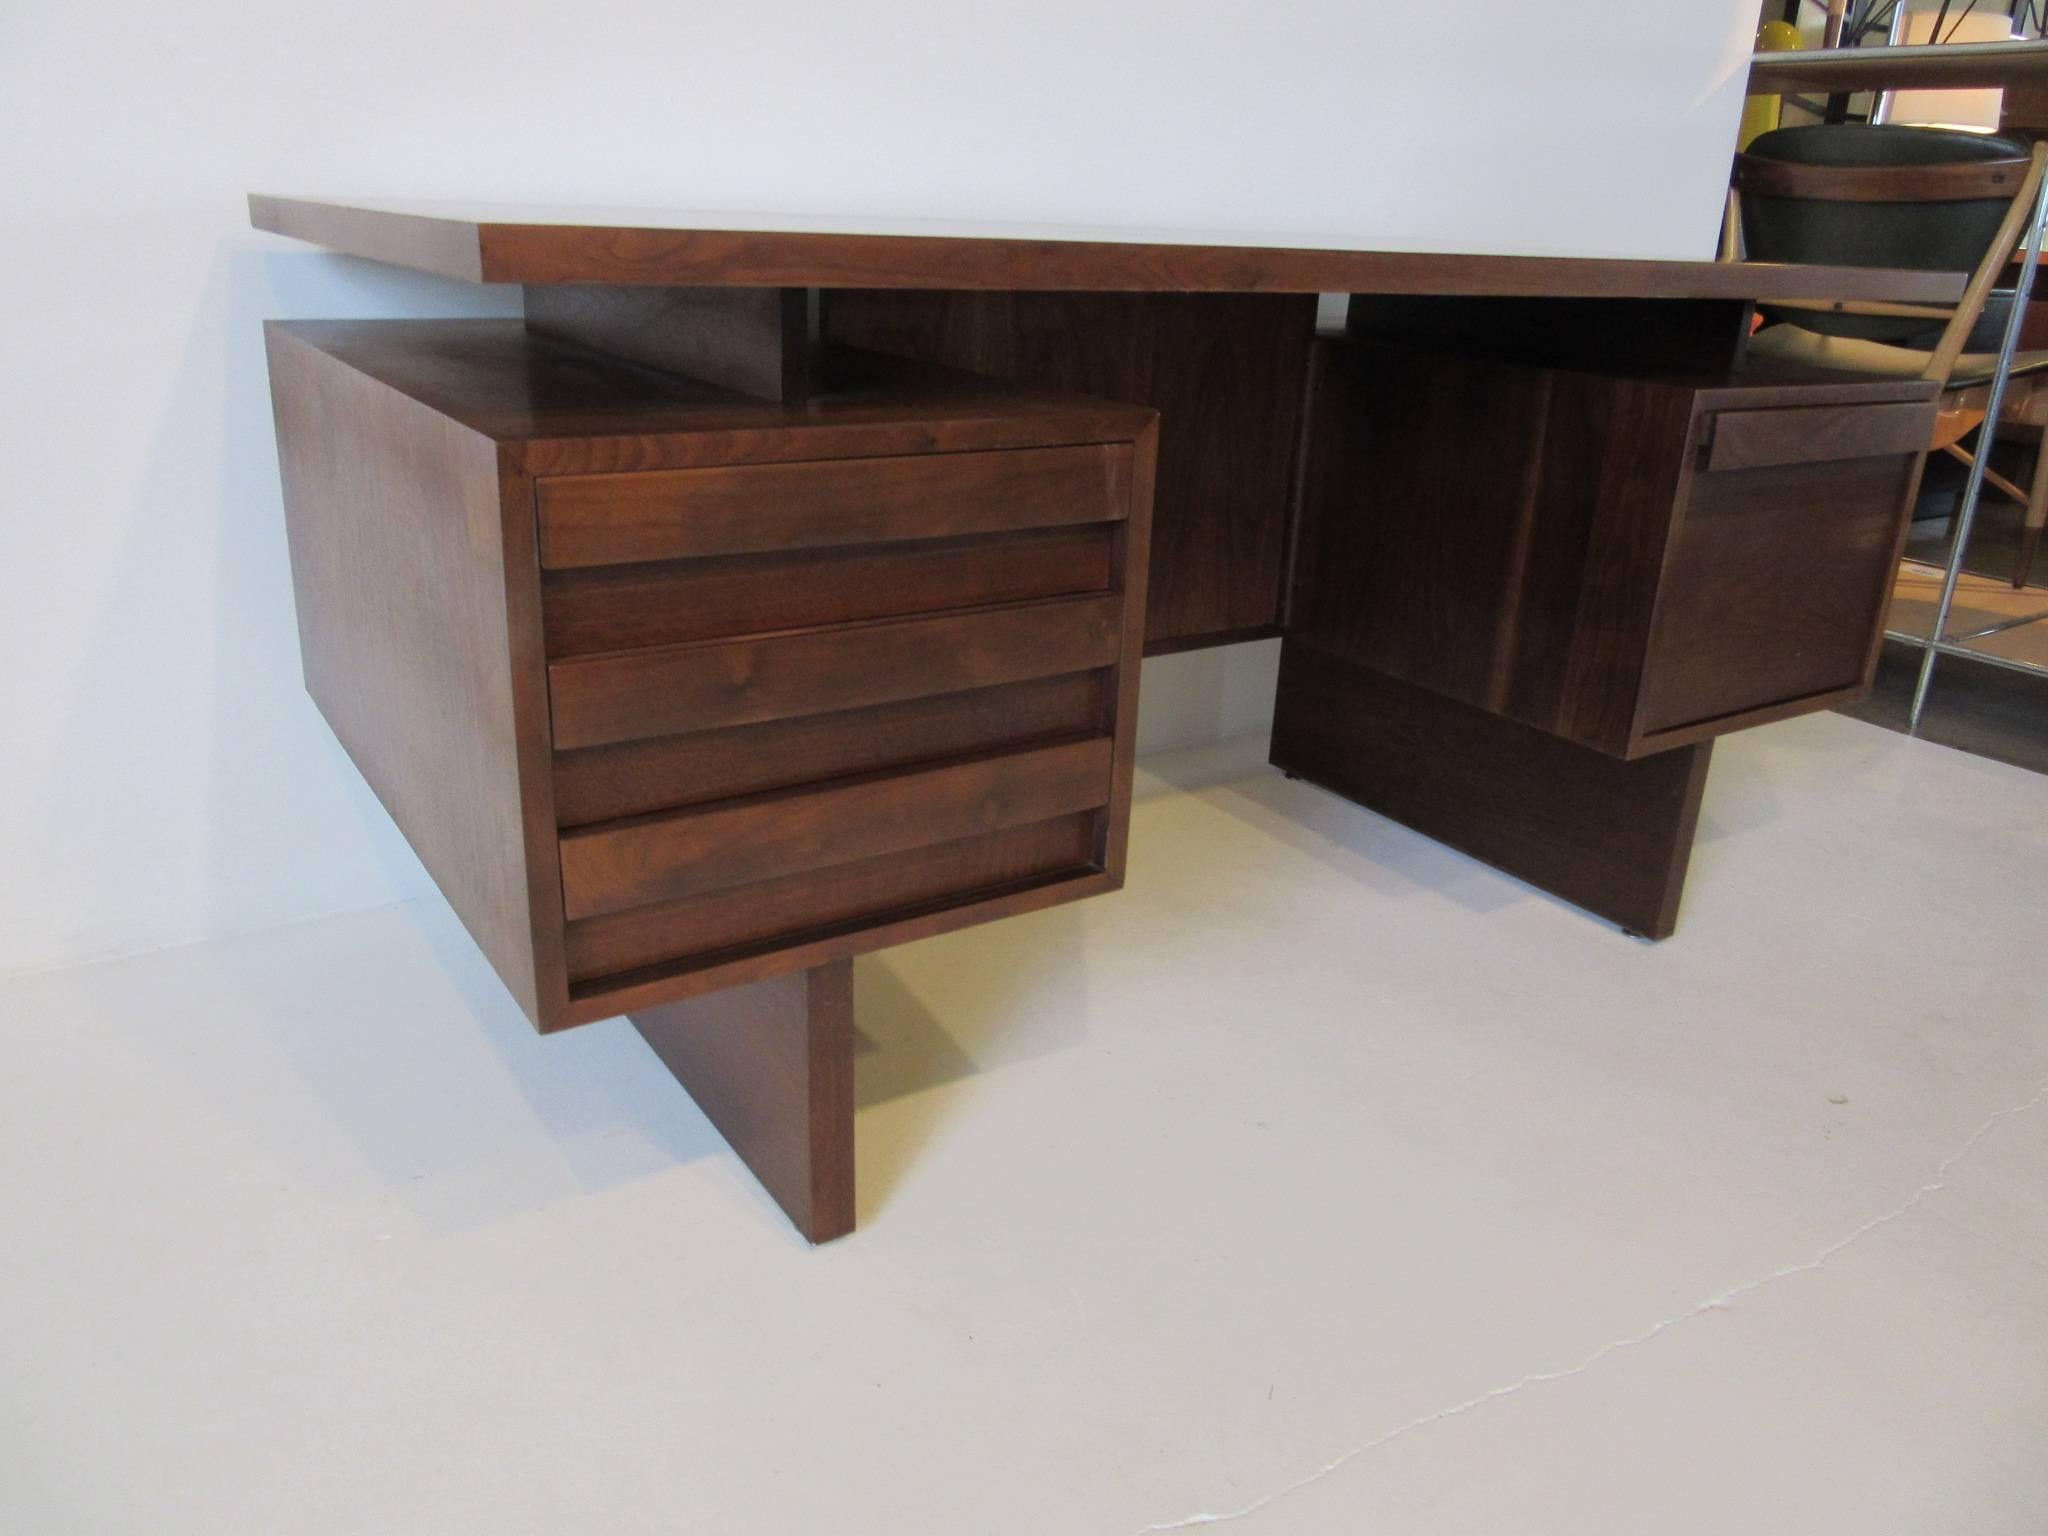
(1958, 66)
(536, 244)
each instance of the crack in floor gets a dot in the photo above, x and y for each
(1725, 1299)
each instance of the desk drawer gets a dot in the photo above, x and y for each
(1774, 588)
(665, 773)
(734, 843)
(673, 602)
(638, 694)
(683, 889)
(795, 909)
(758, 508)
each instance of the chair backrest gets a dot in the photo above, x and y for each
(1851, 194)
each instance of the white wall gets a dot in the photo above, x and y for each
(162, 777)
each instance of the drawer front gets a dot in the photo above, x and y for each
(662, 858)
(680, 888)
(673, 602)
(771, 913)
(636, 778)
(628, 696)
(1774, 590)
(618, 519)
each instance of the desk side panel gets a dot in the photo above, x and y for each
(398, 529)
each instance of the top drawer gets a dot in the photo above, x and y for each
(615, 519)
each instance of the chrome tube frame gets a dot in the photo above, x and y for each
(1937, 644)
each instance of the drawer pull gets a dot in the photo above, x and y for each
(1817, 434)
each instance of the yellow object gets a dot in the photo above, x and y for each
(1760, 113)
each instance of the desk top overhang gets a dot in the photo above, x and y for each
(541, 245)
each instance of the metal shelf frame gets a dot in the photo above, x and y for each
(1939, 642)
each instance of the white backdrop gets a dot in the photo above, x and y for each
(163, 778)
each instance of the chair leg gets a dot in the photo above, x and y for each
(2030, 546)
(1992, 477)
(2037, 514)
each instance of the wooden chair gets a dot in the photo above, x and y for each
(1903, 196)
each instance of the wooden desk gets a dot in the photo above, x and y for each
(771, 595)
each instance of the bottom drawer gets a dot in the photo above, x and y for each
(860, 894)
(683, 886)
(610, 867)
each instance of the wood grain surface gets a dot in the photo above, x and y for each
(629, 695)
(1611, 836)
(537, 244)
(1225, 374)
(771, 1065)
(765, 837)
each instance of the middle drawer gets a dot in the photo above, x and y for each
(632, 695)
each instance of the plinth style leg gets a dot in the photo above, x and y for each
(1611, 836)
(771, 1065)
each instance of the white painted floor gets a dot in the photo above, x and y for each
(1322, 1181)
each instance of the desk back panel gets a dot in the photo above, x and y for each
(1224, 371)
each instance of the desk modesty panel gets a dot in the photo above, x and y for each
(767, 597)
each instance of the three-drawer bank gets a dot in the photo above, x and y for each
(673, 689)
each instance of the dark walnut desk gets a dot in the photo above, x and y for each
(767, 597)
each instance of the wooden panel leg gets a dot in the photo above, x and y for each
(771, 1064)
(1611, 836)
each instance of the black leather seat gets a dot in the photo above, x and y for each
(1936, 236)
(1941, 232)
